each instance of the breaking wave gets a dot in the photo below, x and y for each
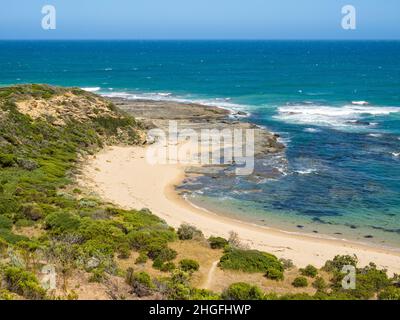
(346, 116)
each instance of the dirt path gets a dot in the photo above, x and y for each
(210, 275)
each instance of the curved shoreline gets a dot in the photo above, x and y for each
(122, 175)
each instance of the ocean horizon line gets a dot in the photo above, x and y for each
(205, 40)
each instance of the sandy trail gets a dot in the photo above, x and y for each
(123, 176)
(210, 274)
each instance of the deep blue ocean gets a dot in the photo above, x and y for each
(335, 104)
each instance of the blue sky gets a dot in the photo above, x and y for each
(200, 19)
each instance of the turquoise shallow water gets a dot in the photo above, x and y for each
(342, 177)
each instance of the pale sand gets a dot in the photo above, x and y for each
(123, 176)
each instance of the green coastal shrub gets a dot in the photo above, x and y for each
(274, 274)
(389, 293)
(319, 284)
(141, 283)
(309, 271)
(217, 242)
(189, 232)
(177, 286)
(23, 283)
(124, 250)
(167, 266)
(251, 261)
(8, 205)
(369, 281)
(20, 223)
(7, 160)
(5, 223)
(97, 275)
(11, 237)
(60, 222)
(6, 295)
(189, 265)
(339, 261)
(286, 263)
(300, 282)
(158, 264)
(32, 211)
(162, 253)
(142, 258)
(203, 294)
(242, 291)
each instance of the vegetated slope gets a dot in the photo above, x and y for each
(43, 132)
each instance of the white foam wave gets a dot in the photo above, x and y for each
(360, 103)
(91, 89)
(396, 154)
(311, 130)
(375, 135)
(306, 171)
(346, 116)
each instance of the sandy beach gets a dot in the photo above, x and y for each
(123, 176)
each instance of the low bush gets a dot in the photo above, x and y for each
(161, 252)
(309, 271)
(242, 291)
(177, 287)
(203, 294)
(6, 295)
(189, 265)
(5, 223)
(274, 274)
(141, 283)
(32, 211)
(97, 275)
(7, 160)
(188, 232)
(389, 293)
(23, 283)
(251, 261)
(319, 284)
(286, 263)
(217, 242)
(142, 258)
(339, 261)
(300, 282)
(61, 222)
(369, 281)
(168, 266)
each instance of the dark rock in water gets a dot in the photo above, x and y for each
(241, 113)
(353, 226)
(359, 123)
(368, 236)
(320, 212)
(319, 220)
(386, 229)
(300, 226)
(315, 231)
(338, 233)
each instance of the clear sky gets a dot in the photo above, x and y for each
(200, 19)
